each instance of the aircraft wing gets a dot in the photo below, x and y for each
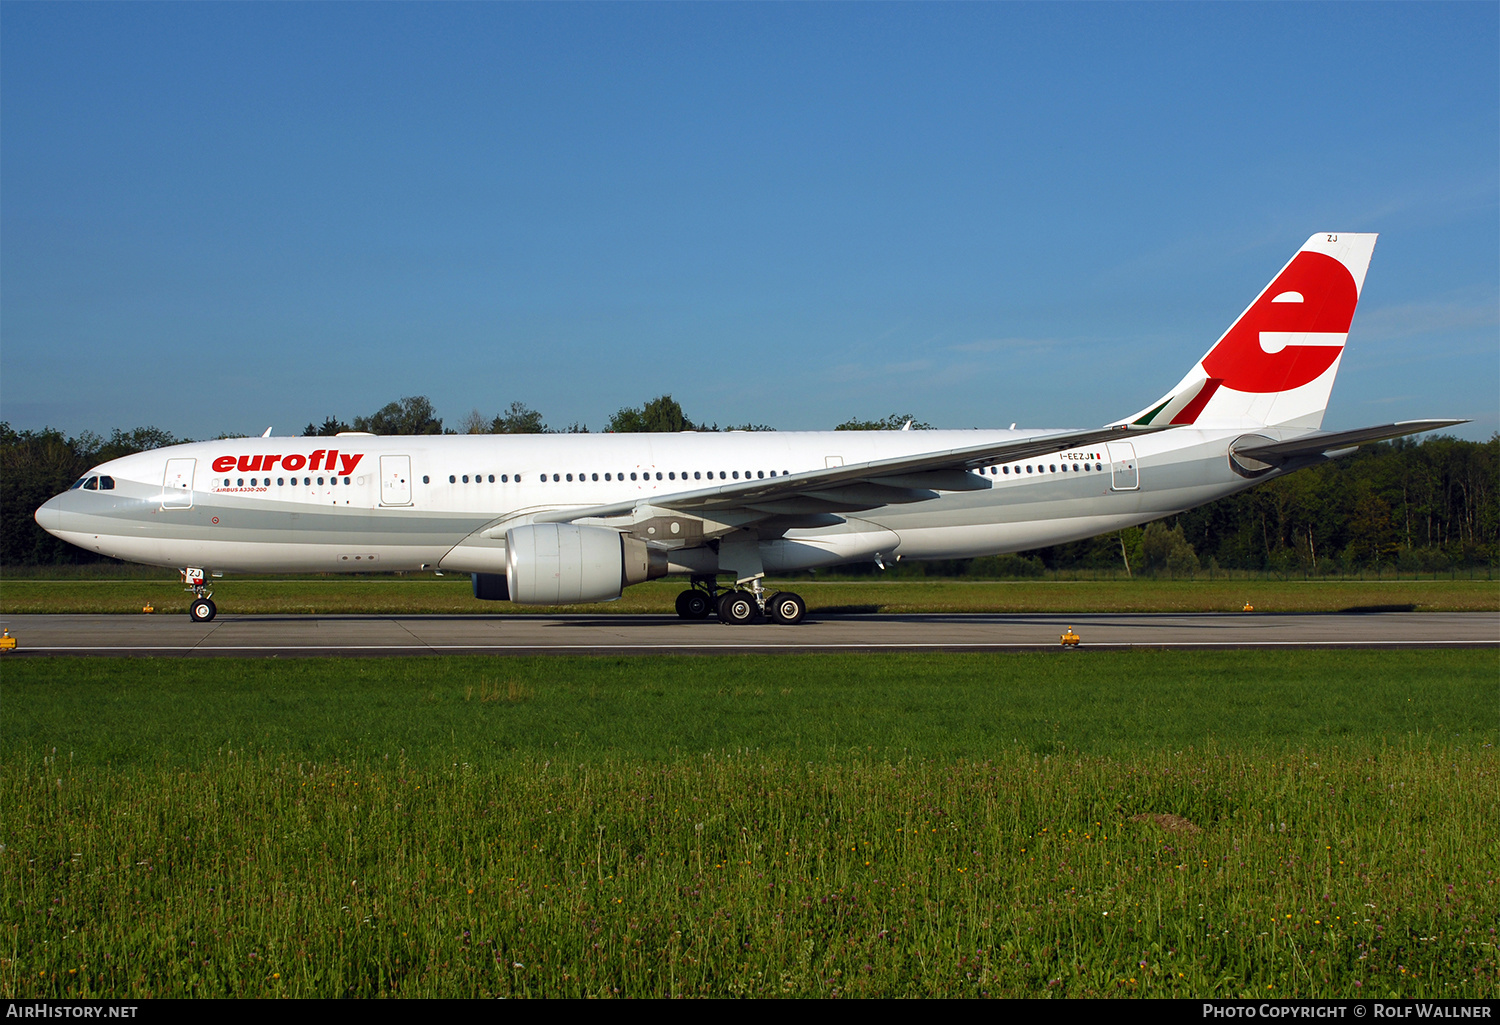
(1279, 452)
(911, 478)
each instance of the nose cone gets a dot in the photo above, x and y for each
(50, 516)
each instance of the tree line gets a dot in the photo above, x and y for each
(1417, 506)
(414, 414)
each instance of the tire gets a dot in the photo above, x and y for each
(787, 608)
(694, 604)
(737, 608)
(202, 610)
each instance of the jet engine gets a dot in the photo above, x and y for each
(563, 563)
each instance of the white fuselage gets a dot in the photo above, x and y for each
(441, 502)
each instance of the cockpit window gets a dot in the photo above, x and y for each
(106, 483)
(92, 484)
(80, 482)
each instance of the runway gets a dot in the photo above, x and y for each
(303, 636)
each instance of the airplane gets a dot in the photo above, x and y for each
(561, 519)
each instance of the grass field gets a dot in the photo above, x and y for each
(1166, 824)
(449, 595)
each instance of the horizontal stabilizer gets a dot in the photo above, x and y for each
(1279, 452)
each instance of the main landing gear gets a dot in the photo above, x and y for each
(695, 604)
(202, 608)
(736, 607)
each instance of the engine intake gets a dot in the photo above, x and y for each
(563, 563)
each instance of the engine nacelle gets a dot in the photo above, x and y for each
(563, 563)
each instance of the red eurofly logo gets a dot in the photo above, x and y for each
(1293, 333)
(327, 460)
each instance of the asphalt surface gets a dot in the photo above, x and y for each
(292, 636)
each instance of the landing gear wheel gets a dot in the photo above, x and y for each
(694, 604)
(737, 607)
(202, 610)
(787, 608)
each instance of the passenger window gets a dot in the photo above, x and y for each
(632, 476)
(658, 475)
(761, 474)
(492, 478)
(240, 482)
(697, 475)
(280, 481)
(736, 475)
(672, 475)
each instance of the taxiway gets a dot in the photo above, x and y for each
(386, 635)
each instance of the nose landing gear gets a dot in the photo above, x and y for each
(202, 608)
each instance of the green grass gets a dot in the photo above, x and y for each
(437, 710)
(453, 595)
(1316, 824)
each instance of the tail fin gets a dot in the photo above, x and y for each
(1275, 366)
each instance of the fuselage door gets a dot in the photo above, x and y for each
(177, 484)
(1124, 473)
(395, 480)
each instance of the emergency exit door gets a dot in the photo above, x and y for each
(1125, 473)
(395, 480)
(177, 484)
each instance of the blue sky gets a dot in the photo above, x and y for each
(219, 217)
